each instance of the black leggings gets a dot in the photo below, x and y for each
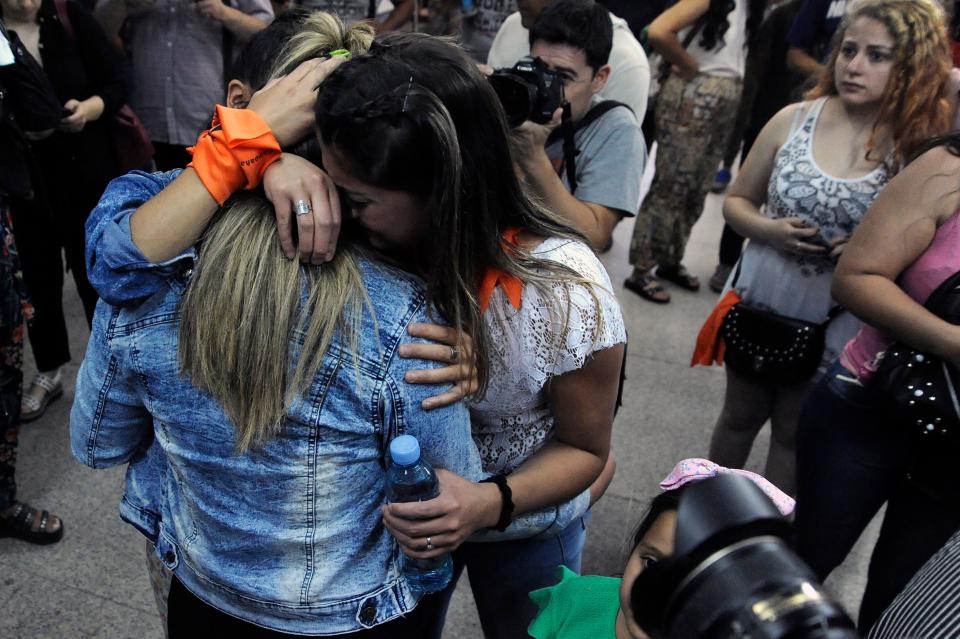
(189, 616)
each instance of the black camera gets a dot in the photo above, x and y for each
(528, 91)
(732, 574)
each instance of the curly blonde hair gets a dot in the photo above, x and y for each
(915, 104)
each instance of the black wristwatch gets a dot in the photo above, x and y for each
(506, 497)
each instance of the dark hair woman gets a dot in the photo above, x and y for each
(694, 114)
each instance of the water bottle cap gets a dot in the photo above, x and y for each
(405, 450)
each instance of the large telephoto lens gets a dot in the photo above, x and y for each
(732, 575)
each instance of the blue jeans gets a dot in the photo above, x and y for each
(502, 575)
(851, 458)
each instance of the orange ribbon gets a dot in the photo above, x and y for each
(710, 346)
(511, 284)
(234, 153)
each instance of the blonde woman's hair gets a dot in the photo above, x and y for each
(246, 300)
(320, 34)
(915, 105)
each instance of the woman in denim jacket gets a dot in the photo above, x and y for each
(134, 272)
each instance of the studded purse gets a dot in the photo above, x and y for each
(922, 389)
(769, 347)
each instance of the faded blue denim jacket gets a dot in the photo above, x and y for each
(288, 536)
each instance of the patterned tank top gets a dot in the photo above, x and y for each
(799, 285)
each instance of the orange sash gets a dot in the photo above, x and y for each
(512, 285)
(710, 346)
(234, 152)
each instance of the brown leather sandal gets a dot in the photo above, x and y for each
(18, 521)
(647, 287)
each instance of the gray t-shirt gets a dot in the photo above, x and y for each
(611, 161)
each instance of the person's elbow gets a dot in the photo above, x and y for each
(658, 35)
(600, 231)
(844, 283)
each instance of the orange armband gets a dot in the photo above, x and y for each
(234, 153)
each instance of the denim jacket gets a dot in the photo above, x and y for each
(288, 536)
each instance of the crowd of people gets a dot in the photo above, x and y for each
(331, 197)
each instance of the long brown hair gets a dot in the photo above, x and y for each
(915, 104)
(416, 115)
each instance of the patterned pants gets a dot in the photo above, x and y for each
(694, 120)
(14, 307)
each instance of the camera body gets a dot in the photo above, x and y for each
(528, 91)
(732, 575)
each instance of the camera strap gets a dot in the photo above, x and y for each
(568, 130)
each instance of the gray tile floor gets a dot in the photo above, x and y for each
(94, 584)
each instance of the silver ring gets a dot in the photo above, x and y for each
(303, 208)
(454, 353)
(429, 544)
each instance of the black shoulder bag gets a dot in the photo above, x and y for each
(770, 347)
(922, 388)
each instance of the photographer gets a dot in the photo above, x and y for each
(629, 80)
(574, 38)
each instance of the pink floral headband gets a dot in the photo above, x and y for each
(696, 469)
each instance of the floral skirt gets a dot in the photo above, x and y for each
(14, 309)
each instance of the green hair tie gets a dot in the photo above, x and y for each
(339, 52)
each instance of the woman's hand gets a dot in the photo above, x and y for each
(461, 370)
(287, 104)
(81, 112)
(685, 72)
(791, 235)
(214, 9)
(462, 508)
(293, 179)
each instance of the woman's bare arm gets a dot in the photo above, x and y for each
(662, 34)
(748, 193)
(896, 230)
(173, 221)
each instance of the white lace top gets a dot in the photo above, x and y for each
(533, 344)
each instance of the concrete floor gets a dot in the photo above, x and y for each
(94, 583)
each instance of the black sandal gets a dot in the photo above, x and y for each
(19, 524)
(680, 276)
(647, 287)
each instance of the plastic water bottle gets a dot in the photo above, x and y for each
(411, 478)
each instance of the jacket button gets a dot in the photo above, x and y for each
(169, 557)
(368, 612)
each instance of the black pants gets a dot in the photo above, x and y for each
(170, 156)
(189, 617)
(851, 459)
(41, 256)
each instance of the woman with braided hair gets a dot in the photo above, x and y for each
(403, 132)
(808, 180)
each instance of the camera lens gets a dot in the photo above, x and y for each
(732, 575)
